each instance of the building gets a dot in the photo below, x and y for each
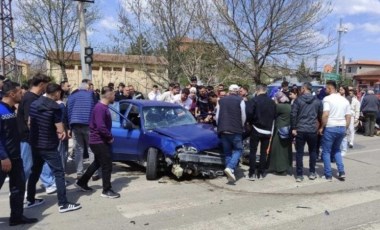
(23, 68)
(140, 71)
(363, 72)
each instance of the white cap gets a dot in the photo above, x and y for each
(234, 87)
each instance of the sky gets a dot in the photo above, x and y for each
(360, 17)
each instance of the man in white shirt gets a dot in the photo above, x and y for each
(335, 121)
(169, 95)
(155, 94)
(183, 99)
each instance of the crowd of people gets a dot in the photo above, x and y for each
(38, 119)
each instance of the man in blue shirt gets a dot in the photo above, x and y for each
(10, 153)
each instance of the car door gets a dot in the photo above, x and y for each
(125, 145)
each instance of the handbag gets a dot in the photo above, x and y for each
(284, 132)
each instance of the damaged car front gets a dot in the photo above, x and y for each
(186, 147)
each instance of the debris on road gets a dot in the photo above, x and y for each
(305, 207)
(327, 213)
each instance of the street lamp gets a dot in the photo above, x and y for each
(341, 30)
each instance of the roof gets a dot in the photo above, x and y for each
(149, 103)
(364, 62)
(120, 58)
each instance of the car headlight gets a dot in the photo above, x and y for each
(186, 149)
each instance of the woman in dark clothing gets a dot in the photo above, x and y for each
(281, 149)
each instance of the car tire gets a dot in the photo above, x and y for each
(152, 164)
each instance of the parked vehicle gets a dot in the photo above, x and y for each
(163, 136)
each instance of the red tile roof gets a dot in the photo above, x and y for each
(364, 62)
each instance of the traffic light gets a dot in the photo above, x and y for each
(88, 55)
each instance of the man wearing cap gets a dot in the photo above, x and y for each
(230, 118)
(10, 153)
(306, 115)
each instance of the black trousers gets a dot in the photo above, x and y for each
(369, 125)
(16, 188)
(254, 141)
(103, 159)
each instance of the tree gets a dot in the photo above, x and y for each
(49, 29)
(166, 22)
(140, 47)
(303, 71)
(255, 32)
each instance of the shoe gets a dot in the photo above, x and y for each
(351, 146)
(78, 177)
(110, 194)
(6, 179)
(343, 153)
(319, 160)
(250, 178)
(35, 203)
(23, 220)
(70, 159)
(329, 179)
(230, 175)
(69, 207)
(51, 189)
(299, 179)
(312, 176)
(95, 178)
(84, 188)
(342, 176)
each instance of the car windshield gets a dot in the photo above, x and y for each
(163, 117)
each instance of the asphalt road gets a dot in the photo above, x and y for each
(277, 202)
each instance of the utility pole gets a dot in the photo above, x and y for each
(86, 69)
(315, 63)
(341, 30)
(8, 53)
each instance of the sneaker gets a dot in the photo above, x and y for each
(84, 188)
(343, 153)
(230, 175)
(110, 194)
(312, 176)
(351, 146)
(69, 207)
(250, 178)
(329, 179)
(342, 176)
(299, 179)
(35, 203)
(51, 189)
(70, 159)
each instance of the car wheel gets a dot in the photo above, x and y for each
(152, 164)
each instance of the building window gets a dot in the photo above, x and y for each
(117, 69)
(349, 69)
(107, 68)
(129, 70)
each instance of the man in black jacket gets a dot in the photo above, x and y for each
(10, 153)
(46, 130)
(261, 113)
(305, 118)
(370, 107)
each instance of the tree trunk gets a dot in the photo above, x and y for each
(63, 73)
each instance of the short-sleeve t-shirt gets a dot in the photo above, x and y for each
(338, 107)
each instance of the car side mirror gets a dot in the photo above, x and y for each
(127, 125)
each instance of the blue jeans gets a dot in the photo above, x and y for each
(311, 140)
(46, 177)
(232, 149)
(53, 159)
(331, 141)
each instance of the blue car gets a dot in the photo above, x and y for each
(163, 136)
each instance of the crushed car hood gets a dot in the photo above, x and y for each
(200, 136)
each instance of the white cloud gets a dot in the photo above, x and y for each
(371, 27)
(354, 7)
(109, 23)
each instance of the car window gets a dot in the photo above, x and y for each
(134, 115)
(115, 116)
(163, 117)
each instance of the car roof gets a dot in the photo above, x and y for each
(149, 103)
